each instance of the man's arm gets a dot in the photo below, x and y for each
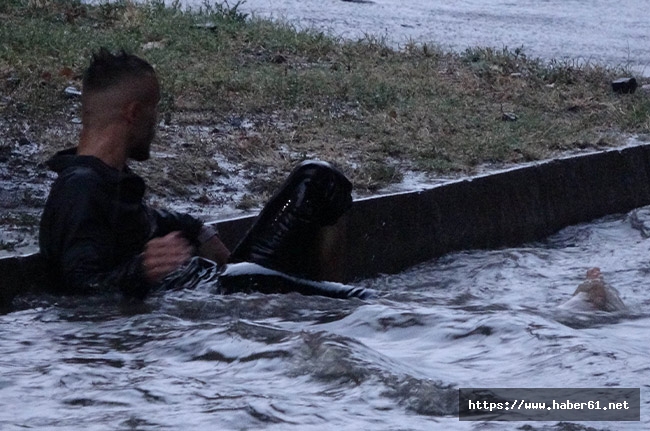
(205, 237)
(84, 265)
(83, 243)
(86, 275)
(135, 276)
(215, 250)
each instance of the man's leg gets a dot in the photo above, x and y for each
(286, 235)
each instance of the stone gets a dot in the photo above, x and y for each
(156, 44)
(624, 85)
(71, 92)
(207, 26)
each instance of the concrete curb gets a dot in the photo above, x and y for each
(387, 234)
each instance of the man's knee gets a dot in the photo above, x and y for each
(321, 171)
(327, 188)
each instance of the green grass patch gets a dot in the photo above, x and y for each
(369, 108)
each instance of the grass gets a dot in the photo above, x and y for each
(372, 110)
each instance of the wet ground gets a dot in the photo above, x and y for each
(580, 31)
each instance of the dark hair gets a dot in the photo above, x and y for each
(107, 69)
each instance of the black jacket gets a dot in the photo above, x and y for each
(95, 226)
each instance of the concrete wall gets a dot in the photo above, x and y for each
(390, 233)
(20, 274)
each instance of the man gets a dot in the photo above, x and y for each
(96, 233)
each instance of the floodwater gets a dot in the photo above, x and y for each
(195, 360)
(615, 33)
(191, 359)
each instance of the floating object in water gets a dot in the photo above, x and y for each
(594, 294)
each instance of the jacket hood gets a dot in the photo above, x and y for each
(69, 159)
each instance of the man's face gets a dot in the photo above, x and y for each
(144, 130)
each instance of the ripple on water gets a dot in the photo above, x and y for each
(193, 359)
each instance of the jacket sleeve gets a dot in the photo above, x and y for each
(83, 237)
(165, 222)
(84, 273)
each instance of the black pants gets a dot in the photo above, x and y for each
(285, 237)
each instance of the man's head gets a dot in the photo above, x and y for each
(122, 90)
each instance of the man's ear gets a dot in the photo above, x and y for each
(131, 111)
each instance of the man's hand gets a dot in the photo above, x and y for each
(163, 255)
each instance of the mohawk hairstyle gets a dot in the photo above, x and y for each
(107, 69)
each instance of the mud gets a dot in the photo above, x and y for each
(212, 169)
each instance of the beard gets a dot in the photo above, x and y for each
(140, 149)
(140, 152)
